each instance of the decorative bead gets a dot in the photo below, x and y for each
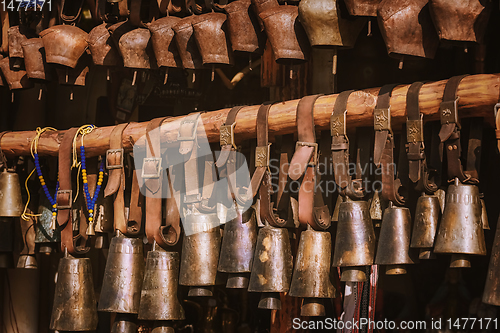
(54, 213)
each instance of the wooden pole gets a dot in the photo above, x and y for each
(477, 96)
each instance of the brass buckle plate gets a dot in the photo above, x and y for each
(414, 131)
(185, 121)
(114, 151)
(262, 156)
(315, 152)
(227, 135)
(70, 199)
(337, 124)
(382, 119)
(449, 112)
(154, 164)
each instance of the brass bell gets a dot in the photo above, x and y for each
(244, 31)
(27, 261)
(64, 44)
(212, 39)
(427, 216)
(123, 275)
(272, 266)
(355, 241)
(159, 289)
(394, 242)
(186, 44)
(491, 293)
(11, 202)
(461, 231)
(313, 264)
(124, 323)
(237, 250)
(200, 253)
(74, 306)
(484, 216)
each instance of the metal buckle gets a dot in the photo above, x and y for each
(414, 131)
(337, 124)
(114, 166)
(315, 152)
(227, 135)
(382, 119)
(153, 163)
(192, 198)
(70, 199)
(188, 120)
(448, 112)
(262, 156)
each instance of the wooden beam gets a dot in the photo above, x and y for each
(477, 96)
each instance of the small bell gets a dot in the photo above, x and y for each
(27, 261)
(394, 241)
(74, 306)
(11, 202)
(427, 215)
(90, 229)
(491, 293)
(313, 264)
(355, 241)
(461, 230)
(272, 266)
(124, 323)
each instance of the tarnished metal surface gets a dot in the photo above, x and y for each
(484, 216)
(407, 28)
(186, 44)
(244, 31)
(137, 50)
(313, 307)
(74, 306)
(11, 202)
(362, 7)
(285, 33)
(326, 26)
(124, 323)
(464, 20)
(102, 47)
(491, 293)
(123, 276)
(16, 79)
(260, 6)
(64, 44)
(461, 229)
(212, 40)
(27, 261)
(34, 61)
(159, 289)
(427, 215)
(162, 37)
(17, 35)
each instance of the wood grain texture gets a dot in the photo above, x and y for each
(477, 96)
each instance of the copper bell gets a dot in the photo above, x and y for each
(313, 264)
(362, 7)
(461, 231)
(64, 44)
(74, 306)
(124, 323)
(200, 253)
(285, 33)
(34, 61)
(491, 293)
(427, 216)
(159, 289)
(123, 275)
(212, 40)
(394, 242)
(244, 32)
(460, 20)
(355, 241)
(102, 47)
(162, 37)
(272, 266)
(186, 44)
(11, 202)
(16, 79)
(238, 247)
(407, 28)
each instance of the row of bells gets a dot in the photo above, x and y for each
(206, 39)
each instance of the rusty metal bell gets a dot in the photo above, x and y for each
(491, 293)
(313, 264)
(394, 242)
(461, 230)
(362, 7)
(16, 79)
(162, 37)
(244, 31)
(464, 21)
(427, 216)
(34, 61)
(124, 323)
(407, 28)
(74, 306)
(355, 241)
(237, 250)
(123, 275)
(260, 6)
(159, 289)
(64, 44)
(212, 39)
(200, 253)
(186, 44)
(137, 50)
(272, 266)
(102, 47)
(11, 202)
(285, 33)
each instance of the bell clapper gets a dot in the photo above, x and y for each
(67, 75)
(12, 98)
(134, 78)
(466, 50)
(71, 94)
(107, 74)
(194, 77)
(334, 67)
(401, 62)
(250, 62)
(213, 74)
(53, 222)
(369, 33)
(40, 94)
(166, 76)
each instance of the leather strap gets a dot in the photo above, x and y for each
(414, 133)
(114, 160)
(382, 121)
(474, 147)
(72, 17)
(227, 136)
(497, 123)
(3, 159)
(189, 148)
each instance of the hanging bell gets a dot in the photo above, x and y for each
(461, 231)
(123, 275)
(186, 44)
(124, 323)
(313, 264)
(74, 306)
(491, 293)
(362, 7)
(162, 37)
(355, 241)
(27, 261)
(394, 241)
(484, 216)
(286, 35)
(244, 31)
(211, 38)
(16, 79)
(34, 61)
(137, 50)
(64, 44)
(159, 289)
(17, 35)
(163, 327)
(272, 266)
(102, 47)
(376, 209)
(427, 215)
(200, 253)
(238, 247)
(11, 202)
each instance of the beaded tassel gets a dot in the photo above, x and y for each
(90, 201)
(52, 200)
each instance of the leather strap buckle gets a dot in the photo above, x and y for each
(186, 121)
(262, 155)
(382, 119)
(314, 156)
(114, 166)
(192, 198)
(337, 124)
(64, 199)
(414, 131)
(449, 112)
(227, 135)
(151, 168)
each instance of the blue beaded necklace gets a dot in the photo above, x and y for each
(90, 200)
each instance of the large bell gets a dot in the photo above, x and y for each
(461, 230)
(123, 276)
(102, 47)
(394, 241)
(491, 293)
(243, 29)
(212, 39)
(313, 264)
(186, 44)
(200, 253)
(355, 241)
(237, 250)
(11, 202)
(64, 44)
(162, 37)
(34, 61)
(427, 215)
(74, 306)
(159, 289)
(272, 266)
(137, 50)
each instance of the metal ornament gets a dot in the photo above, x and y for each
(11, 202)
(427, 216)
